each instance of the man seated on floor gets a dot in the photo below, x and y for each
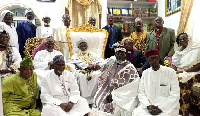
(87, 64)
(135, 57)
(117, 86)
(19, 91)
(43, 60)
(159, 91)
(60, 93)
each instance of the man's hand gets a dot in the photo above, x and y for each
(139, 69)
(50, 65)
(4, 71)
(109, 98)
(63, 106)
(154, 110)
(69, 106)
(96, 67)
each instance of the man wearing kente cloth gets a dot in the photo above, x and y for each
(117, 86)
(19, 91)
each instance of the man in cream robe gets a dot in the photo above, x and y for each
(87, 64)
(60, 93)
(159, 91)
(44, 59)
(7, 19)
(60, 36)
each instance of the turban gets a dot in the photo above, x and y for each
(46, 15)
(151, 52)
(120, 48)
(28, 10)
(27, 61)
(80, 41)
(58, 58)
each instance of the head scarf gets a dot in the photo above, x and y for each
(3, 13)
(120, 48)
(27, 61)
(58, 58)
(151, 52)
(80, 41)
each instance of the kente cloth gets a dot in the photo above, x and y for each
(25, 31)
(113, 76)
(62, 89)
(60, 37)
(42, 31)
(12, 34)
(19, 95)
(139, 40)
(87, 87)
(159, 88)
(40, 63)
(15, 62)
(185, 89)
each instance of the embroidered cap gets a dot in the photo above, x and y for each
(27, 61)
(151, 52)
(28, 10)
(81, 40)
(58, 58)
(120, 48)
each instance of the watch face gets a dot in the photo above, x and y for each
(46, 0)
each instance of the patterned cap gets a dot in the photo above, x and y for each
(151, 52)
(28, 10)
(58, 58)
(81, 40)
(27, 61)
(120, 48)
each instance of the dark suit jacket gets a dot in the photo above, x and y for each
(117, 37)
(138, 60)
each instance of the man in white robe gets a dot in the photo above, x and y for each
(87, 70)
(43, 59)
(60, 36)
(60, 93)
(7, 19)
(46, 30)
(159, 91)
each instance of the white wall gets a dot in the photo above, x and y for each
(171, 21)
(54, 9)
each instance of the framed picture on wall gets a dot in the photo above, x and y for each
(172, 6)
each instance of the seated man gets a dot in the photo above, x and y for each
(135, 57)
(9, 56)
(60, 92)
(119, 78)
(87, 73)
(159, 91)
(19, 91)
(43, 60)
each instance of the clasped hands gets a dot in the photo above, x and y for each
(93, 67)
(66, 106)
(154, 110)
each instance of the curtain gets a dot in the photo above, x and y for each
(186, 6)
(81, 10)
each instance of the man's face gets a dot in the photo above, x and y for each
(30, 15)
(4, 39)
(138, 25)
(46, 20)
(120, 56)
(92, 21)
(66, 21)
(26, 71)
(59, 67)
(154, 62)
(8, 18)
(183, 40)
(110, 20)
(159, 22)
(50, 45)
(128, 44)
(83, 46)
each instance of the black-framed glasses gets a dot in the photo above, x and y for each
(183, 39)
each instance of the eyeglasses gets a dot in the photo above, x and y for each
(183, 39)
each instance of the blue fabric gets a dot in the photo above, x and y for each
(137, 60)
(25, 31)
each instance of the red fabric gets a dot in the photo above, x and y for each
(39, 48)
(151, 52)
(130, 55)
(152, 0)
(158, 32)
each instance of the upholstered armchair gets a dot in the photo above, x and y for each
(96, 39)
